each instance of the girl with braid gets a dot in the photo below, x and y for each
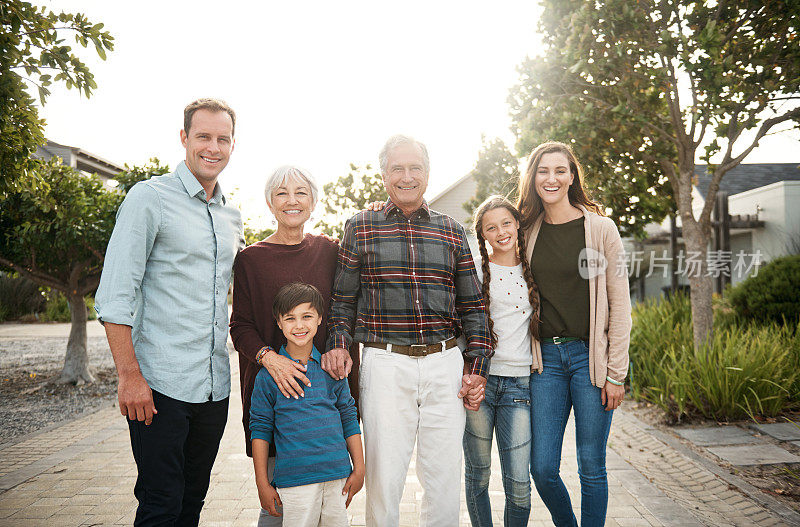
(580, 354)
(512, 301)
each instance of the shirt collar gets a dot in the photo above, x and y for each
(316, 356)
(193, 187)
(390, 208)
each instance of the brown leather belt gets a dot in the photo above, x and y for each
(414, 350)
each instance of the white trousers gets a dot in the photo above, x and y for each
(315, 505)
(406, 400)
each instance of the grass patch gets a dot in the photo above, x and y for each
(746, 370)
(57, 308)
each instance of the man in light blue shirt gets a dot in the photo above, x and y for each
(163, 301)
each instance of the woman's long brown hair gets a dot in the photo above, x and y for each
(491, 203)
(529, 203)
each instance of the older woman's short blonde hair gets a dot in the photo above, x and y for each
(288, 172)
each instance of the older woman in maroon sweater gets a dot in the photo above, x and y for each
(261, 270)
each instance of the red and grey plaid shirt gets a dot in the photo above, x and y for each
(408, 281)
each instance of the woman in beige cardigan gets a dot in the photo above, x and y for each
(581, 358)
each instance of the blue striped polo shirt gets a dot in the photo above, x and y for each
(309, 433)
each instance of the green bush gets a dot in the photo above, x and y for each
(746, 369)
(771, 295)
(18, 296)
(57, 308)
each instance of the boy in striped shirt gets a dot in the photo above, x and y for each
(315, 436)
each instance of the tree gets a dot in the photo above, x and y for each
(253, 235)
(347, 195)
(654, 85)
(496, 172)
(56, 235)
(620, 161)
(32, 50)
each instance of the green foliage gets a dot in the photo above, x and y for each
(57, 308)
(134, 174)
(61, 225)
(608, 81)
(347, 195)
(56, 234)
(252, 235)
(745, 370)
(496, 172)
(18, 296)
(33, 50)
(773, 295)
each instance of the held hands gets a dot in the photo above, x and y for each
(337, 363)
(286, 373)
(353, 483)
(611, 395)
(270, 501)
(136, 398)
(472, 390)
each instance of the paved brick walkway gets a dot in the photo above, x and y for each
(82, 473)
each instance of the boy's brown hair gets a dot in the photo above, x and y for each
(292, 295)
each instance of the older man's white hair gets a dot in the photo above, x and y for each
(397, 140)
(286, 173)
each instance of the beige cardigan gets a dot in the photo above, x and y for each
(609, 300)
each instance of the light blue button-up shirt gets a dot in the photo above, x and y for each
(166, 274)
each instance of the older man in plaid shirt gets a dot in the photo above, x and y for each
(405, 287)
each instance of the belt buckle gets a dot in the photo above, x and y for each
(558, 340)
(423, 350)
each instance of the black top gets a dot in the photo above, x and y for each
(563, 293)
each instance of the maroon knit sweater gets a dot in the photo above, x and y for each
(259, 272)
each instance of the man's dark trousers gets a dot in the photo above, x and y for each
(174, 455)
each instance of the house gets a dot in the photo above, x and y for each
(769, 191)
(451, 201)
(764, 208)
(79, 159)
(763, 202)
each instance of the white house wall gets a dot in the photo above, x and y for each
(778, 206)
(451, 202)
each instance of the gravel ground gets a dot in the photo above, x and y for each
(28, 402)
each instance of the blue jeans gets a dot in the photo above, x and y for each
(564, 385)
(506, 411)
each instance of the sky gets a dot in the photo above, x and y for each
(319, 84)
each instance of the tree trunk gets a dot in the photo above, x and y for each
(700, 284)
(76, 363)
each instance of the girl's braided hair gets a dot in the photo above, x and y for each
(491, 203)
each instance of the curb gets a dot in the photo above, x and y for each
(768, 502)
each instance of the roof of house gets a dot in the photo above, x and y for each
(450, 187)
(85, 160)
(745, 177)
